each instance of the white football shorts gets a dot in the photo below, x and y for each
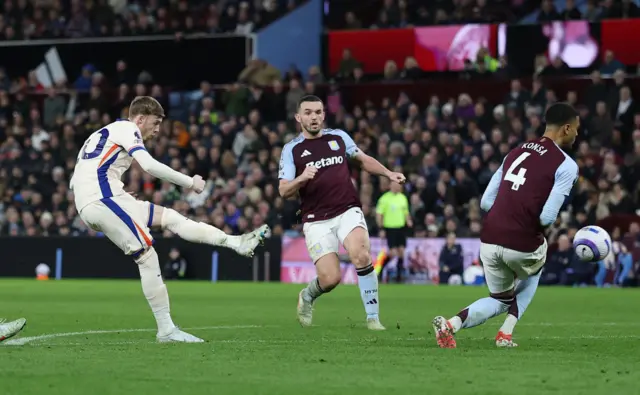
(502, 265)
(325, 237)
(124, 220)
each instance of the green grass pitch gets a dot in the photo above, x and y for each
(572, 341)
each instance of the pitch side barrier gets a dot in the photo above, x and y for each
(97, 257)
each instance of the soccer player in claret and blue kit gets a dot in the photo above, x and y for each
(314, 168)
(524, 196)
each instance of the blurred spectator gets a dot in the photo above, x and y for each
(347, 65)
(558, 270)
(451, 259)
(259, 72)
(176, 266)
(548, 12)
(571, 11)
(610, 64)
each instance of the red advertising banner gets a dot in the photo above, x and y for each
(441, 48)
(437, 48)
(620, 36)
(371, 47)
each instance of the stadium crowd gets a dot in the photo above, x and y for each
(31, 19)
(448, 150)
(233, 137)
(404, 13)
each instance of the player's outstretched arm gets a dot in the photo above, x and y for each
(566, 177)
(368, 163)
(162, 171)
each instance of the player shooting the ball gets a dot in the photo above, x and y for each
(105, 207)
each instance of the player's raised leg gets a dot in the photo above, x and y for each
(199, 232)
(358, 246)
(12, 328)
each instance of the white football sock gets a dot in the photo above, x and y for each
(197, 232)
(478, 313)
(525, 291)
(155, 290)
(312, 291)
(368, 283)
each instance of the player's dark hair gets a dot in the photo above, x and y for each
(560, 114)
(308, 99)
(145, 105)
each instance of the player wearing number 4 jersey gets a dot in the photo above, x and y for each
(523, 197)
(105, 207)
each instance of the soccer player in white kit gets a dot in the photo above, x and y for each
(10, 329)
(105, 207)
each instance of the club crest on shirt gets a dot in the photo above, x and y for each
(334, 145)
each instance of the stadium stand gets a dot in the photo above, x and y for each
(448, 143)
(389, 14)
(30, 19)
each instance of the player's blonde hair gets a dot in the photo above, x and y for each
(145, 105)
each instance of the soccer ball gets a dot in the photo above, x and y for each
(592, 244)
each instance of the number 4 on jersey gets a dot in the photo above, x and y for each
(518, 179)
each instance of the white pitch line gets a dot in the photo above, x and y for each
(24, 340)
(336, 340)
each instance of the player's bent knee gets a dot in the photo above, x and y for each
(504, 297)
(329, 280)
(144, 255)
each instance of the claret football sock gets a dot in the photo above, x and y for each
(312, 291)
(525, 290)
(155, 290)
(197, 232)
(368, 283)
(478, 313)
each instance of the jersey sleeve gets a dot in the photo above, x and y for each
(565, 178)
(127, 135)
(350, 145)
(490, 194)
(287, 169)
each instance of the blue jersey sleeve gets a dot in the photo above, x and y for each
(566, 177)
(287, 169)
(351, 147)
(490, 194)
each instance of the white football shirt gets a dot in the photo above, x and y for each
(104, 157)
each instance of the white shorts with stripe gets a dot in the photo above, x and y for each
(502, 265)
(124, 220)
